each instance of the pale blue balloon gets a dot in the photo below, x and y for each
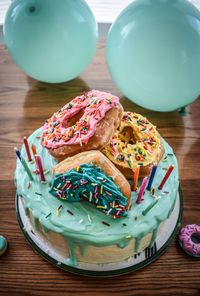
(153, 53)
(51, 41)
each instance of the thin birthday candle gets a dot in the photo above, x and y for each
(150, 207)
(33, 148)
(135, 178)
(142, 189)
(40, 168)
(153, 172)
(27, 149)
(23, 162)
(18, 153)
(168, 173)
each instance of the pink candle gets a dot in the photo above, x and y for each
(27, 149)
(40, 168)
(166, 176)
(142, 189)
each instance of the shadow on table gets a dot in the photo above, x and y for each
(45, 95)
(162, 120)
(43, 99)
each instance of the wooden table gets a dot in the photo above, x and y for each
(24, 106)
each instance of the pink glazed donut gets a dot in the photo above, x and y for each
(189, 239)
(86, 123)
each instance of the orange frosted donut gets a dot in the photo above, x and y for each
(135, 144)
(87, 122)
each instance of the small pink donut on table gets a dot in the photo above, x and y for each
(189, 239)
(86, 123)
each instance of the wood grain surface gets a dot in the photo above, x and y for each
(24, 106)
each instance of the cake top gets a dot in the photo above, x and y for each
(81, 222)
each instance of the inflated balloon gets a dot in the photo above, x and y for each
(51, 41)
(153, 53)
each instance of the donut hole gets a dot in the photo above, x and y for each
(195, 237)
(71, 121)
(128, 136)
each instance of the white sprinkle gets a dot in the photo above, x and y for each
(90, 199)
(113, 205)
(108, 212)
(43, 182)
(89, 218)
(116, 156)
(81, 221)
(46, 172)
(80, 140)
(156, 197)
(164, 193)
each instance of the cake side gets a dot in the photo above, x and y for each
(92, 254)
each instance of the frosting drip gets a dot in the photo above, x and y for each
(56, 132)
(87, 226)
(90, 183)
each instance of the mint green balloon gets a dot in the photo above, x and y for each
(51, 41)
(153, 53)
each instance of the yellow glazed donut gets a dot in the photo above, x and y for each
(135, 143)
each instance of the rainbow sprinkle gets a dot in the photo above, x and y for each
(107, 198)
(105, 223)
(68, 211)
(48, 215)
(58, 210)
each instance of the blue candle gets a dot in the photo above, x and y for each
(23, 162)
(18, 153)
(153, 171)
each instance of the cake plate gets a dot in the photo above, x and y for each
(134, 263)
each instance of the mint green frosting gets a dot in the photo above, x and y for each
(90, 183)
(81, 224)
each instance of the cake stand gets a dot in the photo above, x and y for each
(134, 263)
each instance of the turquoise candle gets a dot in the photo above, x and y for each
(150, 207)
(23, 162)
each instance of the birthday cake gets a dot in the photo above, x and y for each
(80, 203)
